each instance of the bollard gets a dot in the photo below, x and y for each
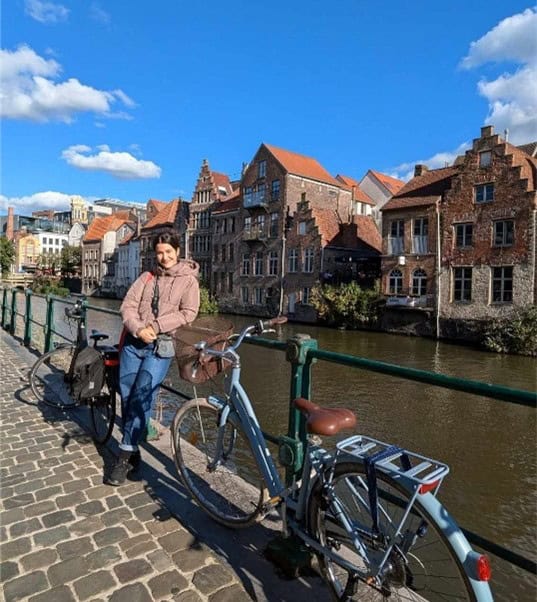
(28, 318)
(4, 307)
(49, 324)
(13, 322)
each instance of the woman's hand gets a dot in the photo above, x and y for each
(147, 334)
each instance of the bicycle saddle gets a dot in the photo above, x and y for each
(98, 336)
(324, 421)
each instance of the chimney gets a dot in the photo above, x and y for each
(420, 169)
(10, 226)
(487, 131)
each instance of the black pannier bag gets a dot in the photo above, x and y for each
(88, 374)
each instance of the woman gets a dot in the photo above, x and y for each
(156, 304)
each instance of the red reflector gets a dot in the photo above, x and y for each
(111, 363)
(484, 572)
(426, 487)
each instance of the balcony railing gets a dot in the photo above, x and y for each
(256, 199)
(255, 233)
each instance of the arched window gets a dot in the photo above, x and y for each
(395, 282)
(419, 282)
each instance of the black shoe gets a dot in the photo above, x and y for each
(121, 469)
(135, 460)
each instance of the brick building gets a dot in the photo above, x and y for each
(226, 232)
(483, 263)
(99, 246)
(489, 231)
(211, 189)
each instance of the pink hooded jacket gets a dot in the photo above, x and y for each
(179, 299)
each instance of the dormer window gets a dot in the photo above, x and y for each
(261, 169)
(485, 159)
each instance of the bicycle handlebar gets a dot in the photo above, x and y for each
(259, 328)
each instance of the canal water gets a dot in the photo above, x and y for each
(490, 445)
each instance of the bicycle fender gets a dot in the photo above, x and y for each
(459, 543)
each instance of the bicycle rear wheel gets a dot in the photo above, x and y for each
(233, 492)
(48, 377)
(103, 414)
(429, 570)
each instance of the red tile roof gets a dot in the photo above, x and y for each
(101, 225)
(221, 180)
(300, 165)
(165, 217)
(157, 204)
(230, 203)
(392, 184)
(368, 231)
(422, 190)
(347, 236)
(359, 194)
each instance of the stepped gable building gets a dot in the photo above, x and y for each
(462, 239)
(99, 245)
(489, 232)
(211, 189)
(172, 215)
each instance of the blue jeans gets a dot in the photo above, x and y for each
(140, 374)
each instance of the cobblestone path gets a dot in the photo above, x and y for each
(66, 536)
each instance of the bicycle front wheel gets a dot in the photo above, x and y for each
(103, 414)
(48, 377)
(231, 492)
(422, 565)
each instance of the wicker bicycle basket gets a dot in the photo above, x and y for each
(215, 332)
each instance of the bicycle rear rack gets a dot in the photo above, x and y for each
(423, 473)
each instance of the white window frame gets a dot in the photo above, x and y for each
(484, 193)
(309, 256)
(466, 231)
(506, 234)
(395, 282)
(499, 277)
(292, 261)
(463, 275)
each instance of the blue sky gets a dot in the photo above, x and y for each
(124, 99)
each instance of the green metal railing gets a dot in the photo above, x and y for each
(302, 352)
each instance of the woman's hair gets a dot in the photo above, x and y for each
(169, 237)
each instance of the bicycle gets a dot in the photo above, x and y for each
(369, 510)
(53, 378)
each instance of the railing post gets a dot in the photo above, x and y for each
(13, 321)
(297, 353)
(28, 318)
(4, 307)
(49, 323)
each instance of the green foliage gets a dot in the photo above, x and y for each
(71, 259)
(7, 254)
(207, 305)
(514, 334)
(346, 305)
(48, 285)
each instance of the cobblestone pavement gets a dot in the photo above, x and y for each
(66, 536)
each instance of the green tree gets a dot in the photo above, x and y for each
(514, 334)
(346, 305)
(207, 305)
(71, 259)
(7, 254)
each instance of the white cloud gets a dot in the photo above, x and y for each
(46, 12)
(121, 165)
(405, 171)
(27, 91)
(39, 200)
(97, 13)
(512, 96)
(514, 38)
